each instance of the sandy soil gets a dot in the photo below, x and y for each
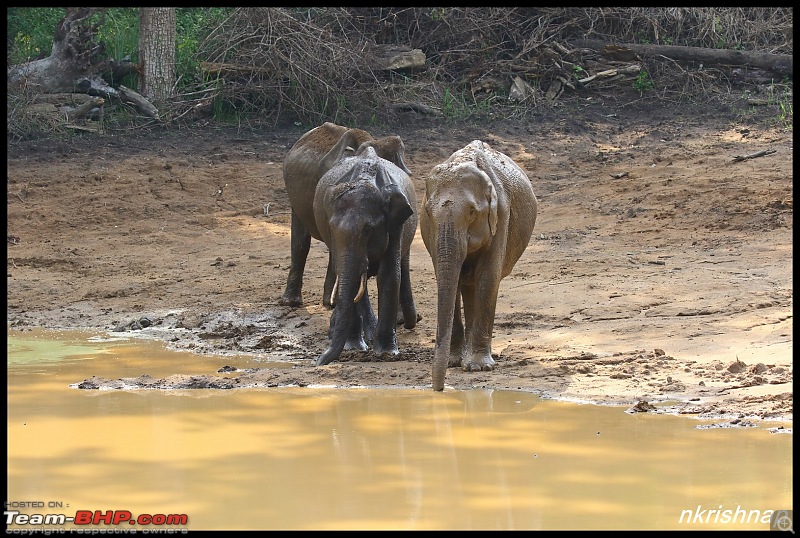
(658, 276)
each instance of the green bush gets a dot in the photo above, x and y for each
(30, 32)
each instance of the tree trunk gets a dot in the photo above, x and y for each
(157, 36)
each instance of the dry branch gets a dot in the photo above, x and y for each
(754, 155)
(629, 70)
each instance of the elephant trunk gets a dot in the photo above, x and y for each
(450, 256)
(362, 287)
(350, 290)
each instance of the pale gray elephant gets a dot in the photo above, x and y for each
(476, 219)
(316, 152)
(365, 210)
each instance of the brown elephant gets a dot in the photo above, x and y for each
(476, 219)
(316, 152)
(365, 211)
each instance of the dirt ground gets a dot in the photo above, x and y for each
(659, 274)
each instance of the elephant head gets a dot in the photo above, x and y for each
(465, 222)
(363, 207)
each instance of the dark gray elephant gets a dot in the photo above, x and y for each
(476, 219)
(316, 152)
(365, 212)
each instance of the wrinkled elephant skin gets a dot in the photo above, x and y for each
(476, 219)
(316, 152)
(365, 212)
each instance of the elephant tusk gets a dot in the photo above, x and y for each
(361, 288)
(335, 289)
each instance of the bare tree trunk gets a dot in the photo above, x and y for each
(157, 33)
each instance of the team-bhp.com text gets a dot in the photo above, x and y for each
(92, 519)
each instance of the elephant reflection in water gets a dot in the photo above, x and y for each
(476, 219)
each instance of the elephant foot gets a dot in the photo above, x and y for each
(454, 361)
(386, 350)
(401, 321)
(290, 300)
(356, 344)
(478, 364)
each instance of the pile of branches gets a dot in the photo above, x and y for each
(315, 64)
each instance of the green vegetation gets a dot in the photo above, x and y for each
(643, 83)
(781, 94)
(30, 32)
(454, 106)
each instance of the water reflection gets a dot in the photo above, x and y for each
(303, 458)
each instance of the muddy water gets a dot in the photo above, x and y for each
(309, 458)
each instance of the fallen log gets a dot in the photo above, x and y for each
(98, 87)
(145, 106)
(780, 64)
(416, 107)
(79, 112)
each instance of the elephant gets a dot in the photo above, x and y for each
(365, 210)
(476, 219)
(316, 152)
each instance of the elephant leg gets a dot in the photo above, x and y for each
(388, 299)
(301, 244)
(328, 301)
(480, 302)
(457, 340)
(407, 315)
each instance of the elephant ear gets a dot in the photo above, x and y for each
(342, 148)
(398, 209)
(491, 193)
